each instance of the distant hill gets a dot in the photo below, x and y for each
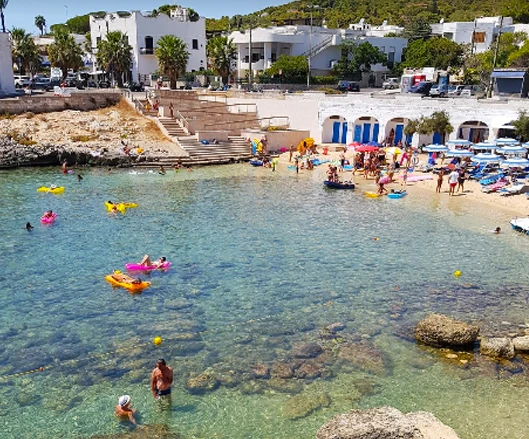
(341, 13)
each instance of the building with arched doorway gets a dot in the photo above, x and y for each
(334, 129)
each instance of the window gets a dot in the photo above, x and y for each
(256, 57)
(382, 49)
(195, 44)
(246, 59)
(274, 57)
(149, 43)
(98, 39)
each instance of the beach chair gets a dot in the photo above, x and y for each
(515, 189)
(495, 187)
(490, 179)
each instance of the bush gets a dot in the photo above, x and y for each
(324, 80)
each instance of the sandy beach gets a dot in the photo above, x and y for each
(497, 207)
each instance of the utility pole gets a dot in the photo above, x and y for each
(491, 80)
(310, 45)
(250, 61)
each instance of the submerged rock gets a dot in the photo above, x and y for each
(385, 423)
(155, 431)
(306, 350)
(364, 356)
(497, 347)
(260, 371)
(521, 344)
(302, 405)
(282, 370)
(205, 382)
(439, 330)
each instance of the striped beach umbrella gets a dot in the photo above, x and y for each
(515, 163)
(484, 146)
(460, 153)
(435, 147)
(486, 158)
(515, 149)
(459, 142)
(502, 141)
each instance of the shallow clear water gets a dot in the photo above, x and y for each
(261, 262)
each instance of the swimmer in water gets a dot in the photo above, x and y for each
(29, 226)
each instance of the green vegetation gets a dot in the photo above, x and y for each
(114, 54)
(522, 126)
(222, 52)
(64, 52)
(357, 59)
(438, 122)
(40, 22)
(292, 69)
(24, 51)
(172, 57)
(437, 52)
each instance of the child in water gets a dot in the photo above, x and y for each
(124, 410)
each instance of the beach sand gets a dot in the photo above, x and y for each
(493, 208)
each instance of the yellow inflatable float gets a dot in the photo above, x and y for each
(54, 190)
(120, 207)
(117, 279)
(372, 195)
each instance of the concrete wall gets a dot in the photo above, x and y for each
(277, 140)
(40, 104)
(7, 82)
(311, 111)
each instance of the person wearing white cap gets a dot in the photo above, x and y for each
(124, 410)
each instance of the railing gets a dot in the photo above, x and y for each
(213, 98)
(263, 122)
(275, 121)
(184, 123)
(314, 50)
(248, 108)
(139, 106)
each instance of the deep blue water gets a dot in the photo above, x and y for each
(261, 262)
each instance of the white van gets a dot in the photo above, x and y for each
(22, 81)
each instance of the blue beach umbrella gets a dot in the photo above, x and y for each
(435, 147)
(459, 142)
(515, 163)
(460, 153)
(506, 141)
(483, 146)
(486, 158)
(512, 150)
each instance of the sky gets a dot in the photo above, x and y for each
(22, 13)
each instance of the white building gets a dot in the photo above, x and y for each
(376, 31)
(7, 81)
(479, 34)
(43, 42)
(144, 31)
(320, 43)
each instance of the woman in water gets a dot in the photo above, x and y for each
(146, 262)
(48, 214)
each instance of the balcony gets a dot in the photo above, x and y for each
(146, 51)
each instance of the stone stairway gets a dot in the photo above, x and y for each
(234, 150)
(173, 127)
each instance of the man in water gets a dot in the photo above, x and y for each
(29, 227)
(161, 379)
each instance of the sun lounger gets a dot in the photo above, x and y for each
(491, 179)
(520, 188)
(495, 186)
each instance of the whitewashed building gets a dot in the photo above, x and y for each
(144, 31)
(7, 81)
(321, 44)
(479, 34)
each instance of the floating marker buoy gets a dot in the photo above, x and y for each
(457, 273)
(157, 340)
(375, 239)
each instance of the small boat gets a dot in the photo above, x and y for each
(520, 225)
(256, 162)
(401, 194)
(339, 185)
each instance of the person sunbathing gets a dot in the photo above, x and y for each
(146, 261)
(124, 278)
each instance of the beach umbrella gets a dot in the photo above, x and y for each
(373, 143)
(481, 146)
(506, 141)
(515, 163)
(486, 158)
(435, 147)
(512, 150)
(460, 153)
(366, 148)
(459, 142)
(354, 144)
(395, 150)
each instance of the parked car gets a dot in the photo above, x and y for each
(456, 91)
(422, 87)
(73, 83)
(472, 90)
(439, 91)
(103, 84)
(136, 86)
(22, 81)
(348, 86)
(391, 83)
(42, 83)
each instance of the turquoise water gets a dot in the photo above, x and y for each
(261, 263)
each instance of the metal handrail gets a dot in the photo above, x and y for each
(312, 51)
(215, 98)
(260, 119)
(184, 123)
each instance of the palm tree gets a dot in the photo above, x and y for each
(172, 57)
(24, 51)
(40, 22)
(64, 52)
(115, 54)
(3, 5)
(222, 52)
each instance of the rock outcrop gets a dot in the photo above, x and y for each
(497, 347)
(521, 344)
(385, 423)
(439, 330)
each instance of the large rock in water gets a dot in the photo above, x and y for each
(497, 347)
(439, 330)
(385, 423)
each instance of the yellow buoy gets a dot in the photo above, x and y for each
(157, 340)
(457, 273)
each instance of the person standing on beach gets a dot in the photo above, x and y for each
(453, 177)
(439, 181)
(291, 151)
(461, 180)
(171, 110)
(404, 180)
(161, 379)
(297, 166)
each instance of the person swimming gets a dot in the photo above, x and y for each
(29, 227)
(496, 231)
(48, 214)
(123, 410)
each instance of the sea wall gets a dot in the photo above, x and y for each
(45, 104)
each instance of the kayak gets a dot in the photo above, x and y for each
(336, 185)
(133, 288)
(397, 194)
(372, 195)
(138, 267)
(48, 219)
(55, 190)
(121, 207)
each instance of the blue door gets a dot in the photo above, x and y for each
(344, 132)
(357, 134)
(335, 132)
(376, 128)
(437, 138)
(409, 138)
(399, 129)
(471, 135)
(366, 133)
